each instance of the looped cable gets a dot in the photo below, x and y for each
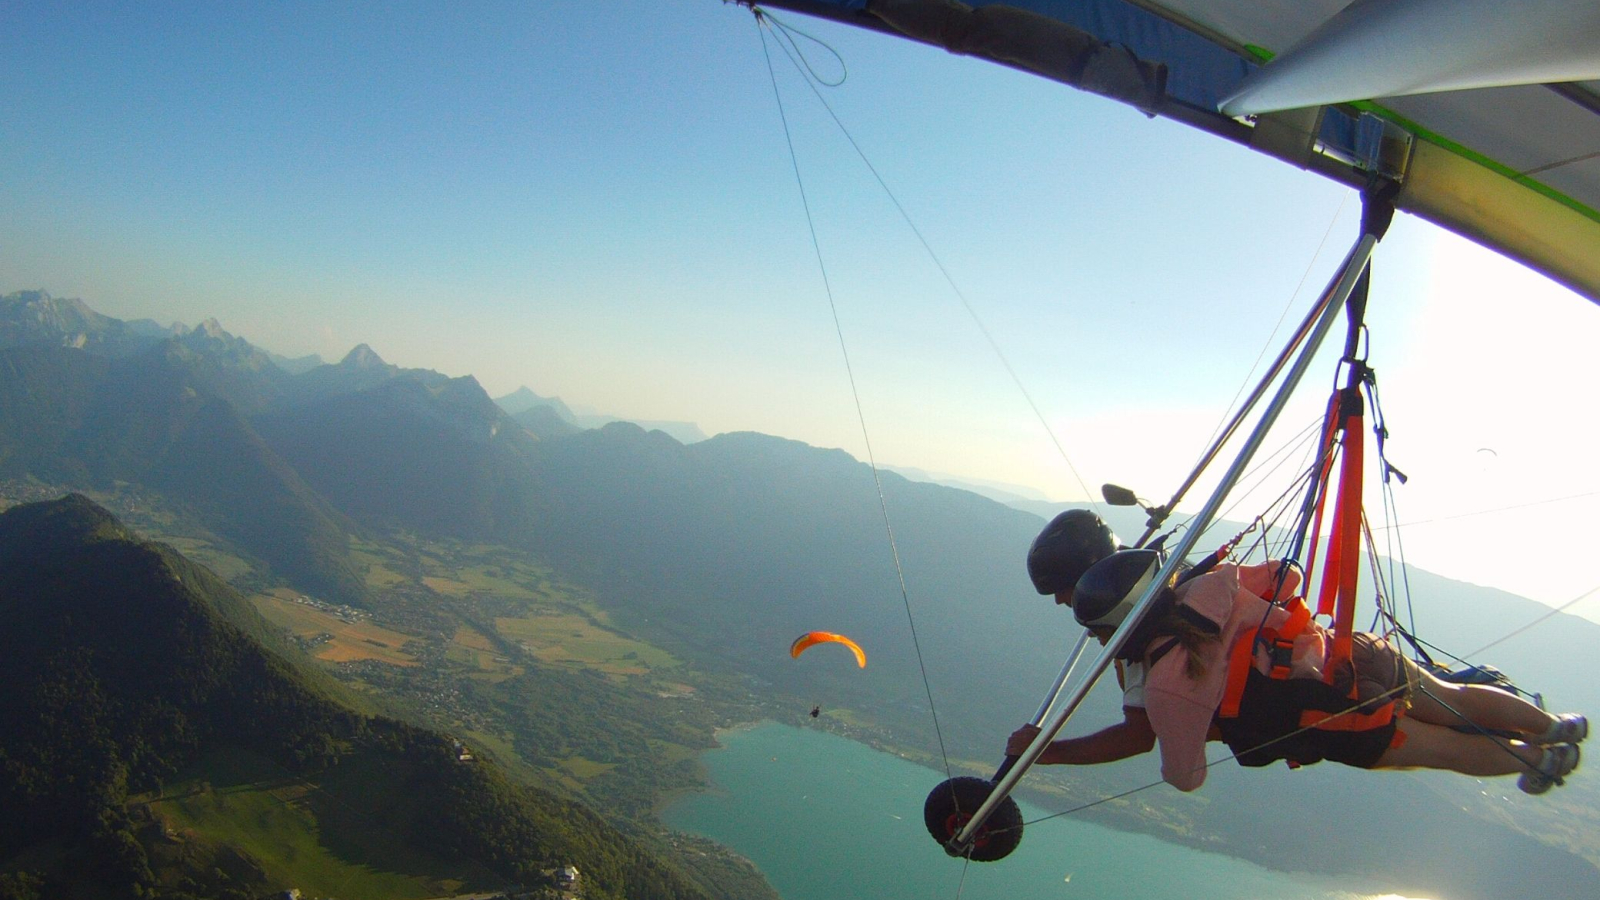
(787, 34)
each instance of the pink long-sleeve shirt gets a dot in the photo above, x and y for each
(1181, 708)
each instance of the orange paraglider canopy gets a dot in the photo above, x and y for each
(821, 637)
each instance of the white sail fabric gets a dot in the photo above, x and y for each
(1395, 48)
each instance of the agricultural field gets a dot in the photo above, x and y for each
(376, 564)
(331, 637)
(470, 577)
(494, 648)
(469, 647)
(520, 600)
(575, 637)
(450, 568)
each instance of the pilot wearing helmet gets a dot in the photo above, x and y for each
(1184, 684)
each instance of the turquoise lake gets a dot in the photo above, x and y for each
(827, 818)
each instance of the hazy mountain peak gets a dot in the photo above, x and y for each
(41, 299)
(36, 317)
(362, 357)
(210, 333)
(522, 399)
(548, 416)
(26, 296)
(296, 365)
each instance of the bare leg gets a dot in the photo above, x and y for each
(1432, 746)
(1441, 703)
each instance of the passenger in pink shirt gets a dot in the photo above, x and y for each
(1175, 673)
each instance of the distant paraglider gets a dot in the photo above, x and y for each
(812, 638)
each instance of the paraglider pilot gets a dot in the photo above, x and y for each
(1218, 657)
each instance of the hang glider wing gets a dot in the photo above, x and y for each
(1487, 113)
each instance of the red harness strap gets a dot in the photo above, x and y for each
(1349, 721)
(1337, 596)
(1330, 430)
(1238, 670)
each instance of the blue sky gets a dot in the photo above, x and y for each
(597, 200)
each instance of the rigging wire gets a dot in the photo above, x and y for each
(1270, 466)
(1559, 609)
(949, 279)
(1270, 341)
(1396, 552)
(855, 393)
(1272, 532)
(1486, 512)
(966, 864)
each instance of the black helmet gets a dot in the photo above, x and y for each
(1106, 593)
(1066, 548)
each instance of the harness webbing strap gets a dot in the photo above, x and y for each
(1280, 648)
(1330, 430)
(1239, 659)
(1339, 580)
(1299, 618)
(1350, 721)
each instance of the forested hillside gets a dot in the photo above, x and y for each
(120, 670)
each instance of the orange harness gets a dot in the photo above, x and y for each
(1279, 643)
(1338, 590)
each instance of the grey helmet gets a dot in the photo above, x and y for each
(1107, 592)
(1066, 548)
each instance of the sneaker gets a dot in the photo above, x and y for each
(1568, 728)
(1557, 762)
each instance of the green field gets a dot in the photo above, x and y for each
(555, 623)
(286, 825)
(577, 638)
(383, 565)
(227, 566)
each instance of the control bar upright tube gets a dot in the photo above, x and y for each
(1050, 698)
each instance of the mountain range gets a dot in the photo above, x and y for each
(548, 416)
(720, 550)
